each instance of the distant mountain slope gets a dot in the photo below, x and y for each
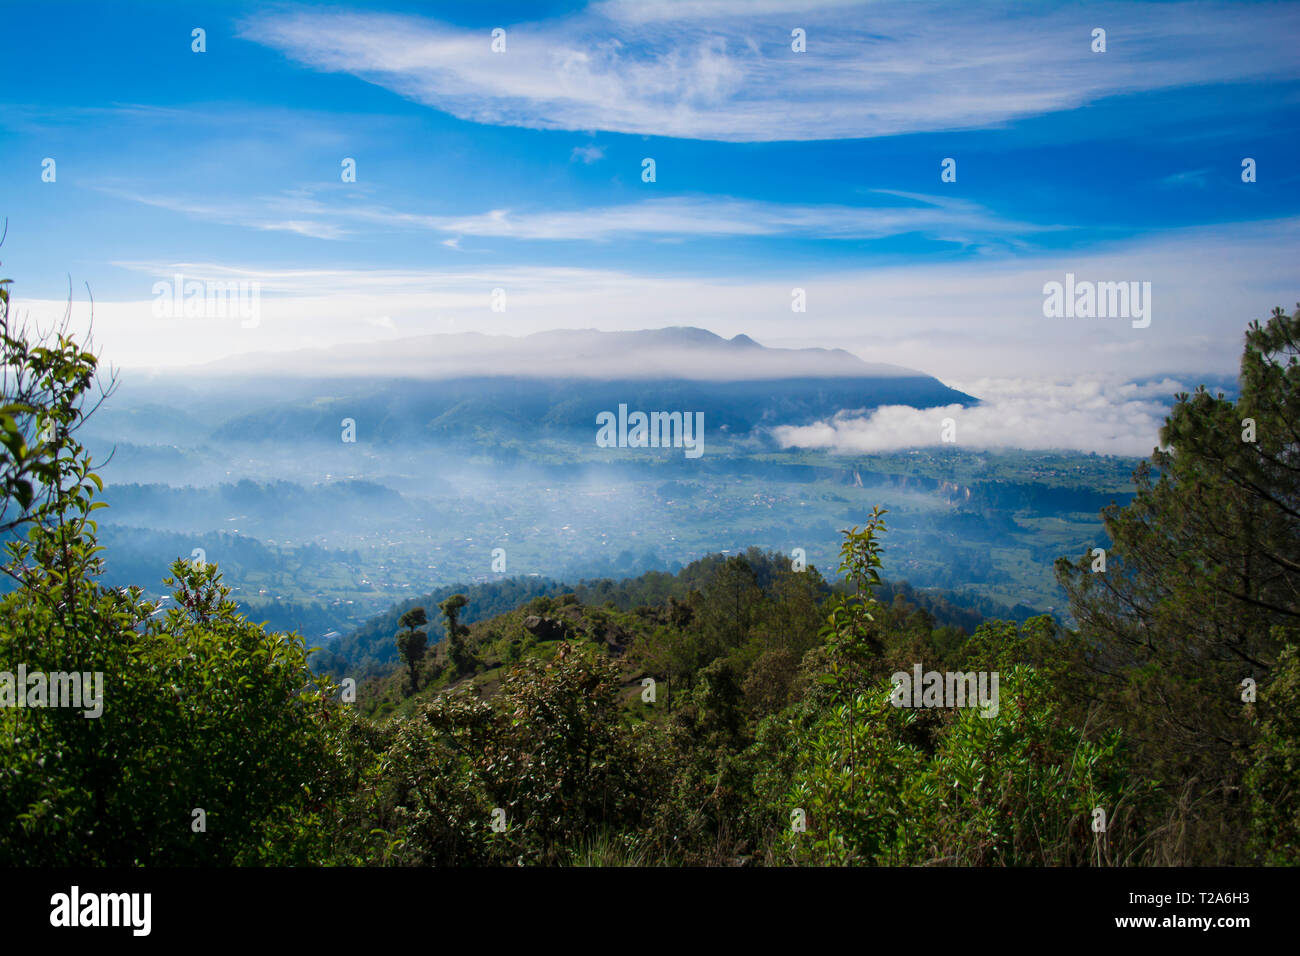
(517, 408)
(670, 353)
(498, 390)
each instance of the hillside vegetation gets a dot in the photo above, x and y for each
(369, 651)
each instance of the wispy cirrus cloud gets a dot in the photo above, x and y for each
(679, 217)
(1190, 177)
(297, 214)
(719, 216)
(726, 71)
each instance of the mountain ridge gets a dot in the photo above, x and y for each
(672, 352)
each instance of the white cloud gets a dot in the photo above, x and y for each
(725, 70)
(1088, 415)
(587, 154)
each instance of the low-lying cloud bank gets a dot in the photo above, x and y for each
(1117, 418)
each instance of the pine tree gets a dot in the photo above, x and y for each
(1202, 582)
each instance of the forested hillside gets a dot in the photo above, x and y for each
(369, 650)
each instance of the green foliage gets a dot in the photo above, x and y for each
(46, 382)
(849, 632)
(1021, 788)
(1017, 788)
(1273, 779)
(201, 710)
(1011, 787)
(548, 751)
(563, 764)
(854, 772)
(426, 801)
(771, 682)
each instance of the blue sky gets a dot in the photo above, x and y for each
(774, 170)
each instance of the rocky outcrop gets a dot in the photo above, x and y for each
(546, 628)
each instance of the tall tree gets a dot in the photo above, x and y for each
(457, 653)
(1201, 587)
(412, 642)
